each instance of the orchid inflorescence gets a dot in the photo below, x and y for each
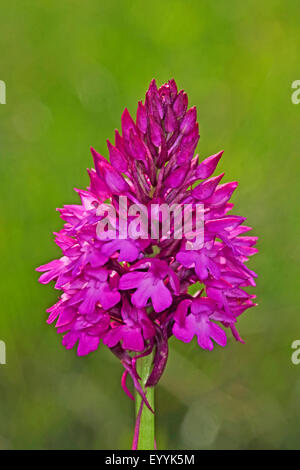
(134, 294)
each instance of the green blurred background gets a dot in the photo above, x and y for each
(70, 68)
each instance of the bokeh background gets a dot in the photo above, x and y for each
(70, 68)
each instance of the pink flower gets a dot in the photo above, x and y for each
(133, 294)
(198, 322)
(150, 284)
(134, 330)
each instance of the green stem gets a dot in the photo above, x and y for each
(146, 435)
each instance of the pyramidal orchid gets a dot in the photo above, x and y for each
(125, 285)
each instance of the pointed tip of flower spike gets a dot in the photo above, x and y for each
(97, 185)
(97, 155)
(152, 90)
(117, 159)
(208, 166)
(152, 85)
(98, 159)
(173, 86)
(205, 190)
(222, 194)
(189, 121)
(180, 104)
(153, 102)
(127, 124)
(119, 141)
(141, 118)
(224, 223)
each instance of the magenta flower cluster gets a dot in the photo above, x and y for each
(133, 295)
